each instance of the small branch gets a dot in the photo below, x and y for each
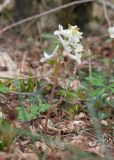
(106, 13)
(108, 4)
(43, 14)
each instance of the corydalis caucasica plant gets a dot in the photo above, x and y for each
(70, 40)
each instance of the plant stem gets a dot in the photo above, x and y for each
(55, 74)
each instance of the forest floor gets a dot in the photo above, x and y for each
(71, 132)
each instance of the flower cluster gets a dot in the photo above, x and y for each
(70, 39)
(111, 31)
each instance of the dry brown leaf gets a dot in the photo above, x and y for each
(29, 156)
(67, 127)
(42, 147)
(79, 116)
(80, 139)
(6, 61)
(74, 84)
(99, 150)
(104, 123)
(92, 143)
(4, 155)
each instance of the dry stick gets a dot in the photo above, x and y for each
(108, 4)
(22, 63)
(110, 67)
(39, 32)
(4, 60)
(105, 13)
(43, 14)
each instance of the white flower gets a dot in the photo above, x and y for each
(78, 57)
(75, 35)
(47, 56)
(62, 32)
(65, 44)
(111, 32)
(79, 48)
(71, 33)
(70, 39)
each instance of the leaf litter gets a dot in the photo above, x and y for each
(67, 137)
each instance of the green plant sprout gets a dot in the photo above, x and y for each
(71, 48)
(28, 115)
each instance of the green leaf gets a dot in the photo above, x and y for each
(47, 36)
(26, 116)
(97, 92)
(43, 107)
(96, 81)
(109, 40)
(3, 88)
(74, 109)
(23, 114)
(102, 115)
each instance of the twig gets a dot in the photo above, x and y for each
(110, 67)
(90, 66)
(22, 63)
(105, 13)
(4, 60)
(39, 32)
(108, 4)
(43, 14)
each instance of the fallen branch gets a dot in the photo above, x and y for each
(106, 13)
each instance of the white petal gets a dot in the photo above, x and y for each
(60, 27)
(43, 59)
(73, 42)
(47, 56)
(55, 50)
(61, 31)
(75, 39)
(56, 32)
(64, 43)
(111, 35)
(65, 33)
(111, 32)
(78, 57)
(68, 48)
(79, 48)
